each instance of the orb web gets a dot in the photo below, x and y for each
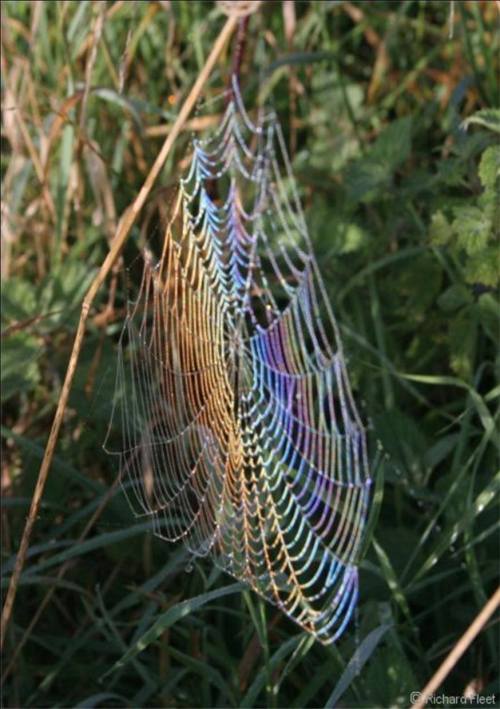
(238, 430)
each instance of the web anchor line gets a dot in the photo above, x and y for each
(239, 434)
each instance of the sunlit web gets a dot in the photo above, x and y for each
(239, 433)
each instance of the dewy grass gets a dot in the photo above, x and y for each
(371, 213)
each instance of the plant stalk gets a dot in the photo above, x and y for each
(124, 227)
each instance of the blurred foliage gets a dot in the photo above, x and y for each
(391, 113)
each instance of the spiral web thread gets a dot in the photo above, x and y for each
(239, 433)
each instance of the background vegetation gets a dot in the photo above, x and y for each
(389, 112)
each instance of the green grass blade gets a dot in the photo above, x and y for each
(166, 620)
(356, 663)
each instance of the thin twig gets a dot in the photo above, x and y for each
(124, 227)
(239, 47)
(453, 657)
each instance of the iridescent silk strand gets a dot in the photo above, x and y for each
(239, 430)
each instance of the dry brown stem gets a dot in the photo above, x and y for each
(456, 653)
(124, 226)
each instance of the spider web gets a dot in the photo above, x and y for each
(239, 432)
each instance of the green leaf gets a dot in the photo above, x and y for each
(489, 315)
(72, 283)
(391, 662)
(19, 371)
(484, 267)
(440, 450)
(462, 343)
(249, 700)
(404, 442)
(440, 232)
(489, 167)
(392, 580)
(473, 227)
(19, 300)
(393, 145)
(421, 280)
(356, 663)
(365, 178)
(454, 298)
(368, 176)
(354, 238)
(487, 118)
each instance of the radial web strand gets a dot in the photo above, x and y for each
(239, 432)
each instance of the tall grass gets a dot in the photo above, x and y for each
(401, 202)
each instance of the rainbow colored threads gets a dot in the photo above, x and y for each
(240, 435)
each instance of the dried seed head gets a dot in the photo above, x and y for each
(239, 8)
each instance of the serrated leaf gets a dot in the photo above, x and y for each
(487, 118)
(489, 166)
(393, 145)
(371, 174)
(365, 178)
(484, 268)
